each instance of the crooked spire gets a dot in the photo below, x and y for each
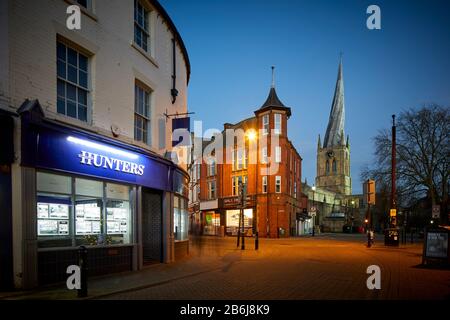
(334, 135)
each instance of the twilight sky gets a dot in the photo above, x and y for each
(232, 44)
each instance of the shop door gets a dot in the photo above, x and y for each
(6, 254)
(151, 226)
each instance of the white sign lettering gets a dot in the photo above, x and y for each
(100, 161)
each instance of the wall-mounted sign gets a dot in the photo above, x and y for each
(235, 201)
(76, 153)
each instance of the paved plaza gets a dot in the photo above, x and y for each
(324, 267)
(328, 266)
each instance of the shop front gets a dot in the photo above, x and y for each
(126, 205)
(211, 223)
(233, 216)
(304, 223)
(210, 218)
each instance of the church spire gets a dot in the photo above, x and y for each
(319, 143)
(334, 135)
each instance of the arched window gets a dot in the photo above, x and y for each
(327, 167)
(334, 166)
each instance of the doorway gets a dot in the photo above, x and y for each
(151, 226)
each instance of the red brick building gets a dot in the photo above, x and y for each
(269, 165)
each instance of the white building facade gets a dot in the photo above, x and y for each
(86, 123)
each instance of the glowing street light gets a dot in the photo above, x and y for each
(251, 135)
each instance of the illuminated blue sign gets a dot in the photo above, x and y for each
(80, 154)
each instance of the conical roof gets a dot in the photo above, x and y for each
(334, 135)
(273, 102)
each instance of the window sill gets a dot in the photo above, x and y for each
(87, 125)
(87, 12)
(145, 54)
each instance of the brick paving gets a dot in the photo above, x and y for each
(329, 266)
(324, 267)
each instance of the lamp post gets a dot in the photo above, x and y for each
(252, 136)
(315, 209)
(352, 217)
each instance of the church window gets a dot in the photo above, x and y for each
(334, 166)
(327, 167)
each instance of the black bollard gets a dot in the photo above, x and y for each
(82, 263)
(256, 241)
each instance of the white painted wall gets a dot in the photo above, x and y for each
(28, 33)
(114, 64)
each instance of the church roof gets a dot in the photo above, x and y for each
(334, 135)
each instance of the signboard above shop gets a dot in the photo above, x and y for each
(235, 201)
(54, 147)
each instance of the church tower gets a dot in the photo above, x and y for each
(333, 157)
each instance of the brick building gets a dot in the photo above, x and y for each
(266, 162)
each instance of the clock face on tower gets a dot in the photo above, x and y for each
(330, 154)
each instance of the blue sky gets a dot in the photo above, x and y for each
(232, 44)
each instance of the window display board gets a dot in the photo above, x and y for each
(53, 219)
(117, 217)
(88, 218)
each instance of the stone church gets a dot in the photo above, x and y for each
(330, 201)
(333, 157)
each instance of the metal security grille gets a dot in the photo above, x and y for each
(151, 226)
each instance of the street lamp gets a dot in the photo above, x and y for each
(315, 210)
(252, 136)
(352, 217)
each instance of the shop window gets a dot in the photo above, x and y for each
(180, 219)
(72, 82)
(212, 223)
(89, 213)
(54, 207)
(234, 216)
(118, 213)
(264, 184)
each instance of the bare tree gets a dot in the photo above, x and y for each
(423, 156)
